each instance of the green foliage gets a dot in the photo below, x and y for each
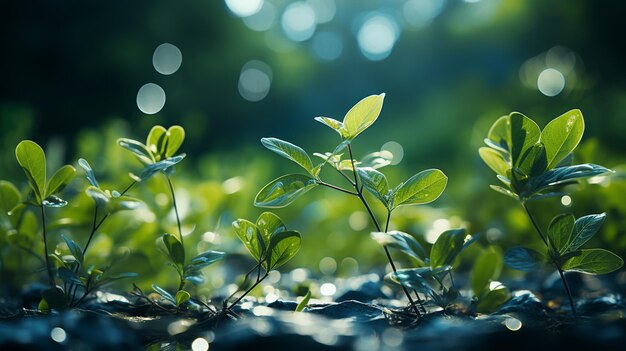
(448, 245)
(360, 117)
(486, 270)
(284, 190)
(523, 259)
(305, 301)
(529, 161)
(32, 159)
(422, 188)
(401, 241)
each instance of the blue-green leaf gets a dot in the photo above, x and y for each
(402, 241)
(584, 228)
(284, 190)
(289, 151)
(140, 150)
(163, 293)
(91, 177)
(448, 245)
(523, 259)
(160, 166)
(76, 251)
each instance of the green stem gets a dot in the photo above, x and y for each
(336, 188)
(180, 231)
(359, 193)
(556, 264)
(45, 245)
(258, 281)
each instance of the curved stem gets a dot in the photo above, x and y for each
(556, 264)
(180, 232)
(258, 281)
(336, 188)
(45, 245)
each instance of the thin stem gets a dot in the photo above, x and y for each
(336, 188)
(45, 245)
(345, 176)
(258, 281)
(359, 191)
(245, 279)
(556, 264)
(180, 231)
(93, 228)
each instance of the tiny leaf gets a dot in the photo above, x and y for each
(176, 136)
(91, 177)
(140, 150)
(76, 251)
(33, 161)
(175, 249)
(330, 122)
(304, 302)
(182, 297)
(375, 182)
(494, 160)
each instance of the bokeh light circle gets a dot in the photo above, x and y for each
(298, 21)
(377, 36)
(167, 59)
(244, 8)
(255, 80)
(150, 98)
(550, 82)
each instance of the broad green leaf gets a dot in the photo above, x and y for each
(164, 294)
(9, 196)
(61, 178)
(492, 299)
(289, 151)
(33, 161)
(532, 163)
(121, 203)
(504, 191)
(523, 259)
(494, 160)
(157, 140)
(418, 278)
(562, 175)
(55, 298)
(205, 259)
(175, 249)
(362, 115)
(376, 160)
(283, 190)
(175, 138)
(246, 231)
(584, 228)
(422, 188)
(524, 134)
(560, 231)
(500, 135)
(54, 201)
(140, 150)
(593, 261)
(562, 135)
(268, 225)
(91, 177)
(76, 251)
(160, 166)
(402, 241)
(182, 297)
(375, 182)
(305, 300)
(448, 245)
(487, 267)
(282, 248)
(332, 123)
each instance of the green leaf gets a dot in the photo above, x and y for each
(76, 251)
(283, 247)
(362, 115)
(487, 267)
(157, 140)
(246, 231)
(55, 298)
(593, 261)
(331, 123)
(91, 177)
(422, 188)
(532, 163)
(269, 224)
(9, 196)
(494, 160)
(283, 190)
(562, 135)
(418, 278)
(68, 276)
(562, 175)
(175, 249)
(304, 302)
(140, 150)
(524, 133)
(54, 201)
(448, 245)
(375, 182)
(32, 159)
(492, 299)
(504, 191)
(98, 195)
(61, 178)
(182, 297)
(160, 166)
(289, 151)
(523, 259)
(376, 160)
(499, 135)
(584, 228)
(121, 203)
(402, 241)
(205, 259)
(176, 136)
(560, 231)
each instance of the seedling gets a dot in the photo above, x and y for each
(429, 279)
(489, 294)
(422, 188)
(270, 244)
(531, 163)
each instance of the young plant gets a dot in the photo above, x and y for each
(531, 163)
(43, 193)
(422, 188)
(270, 244)
(429, 278)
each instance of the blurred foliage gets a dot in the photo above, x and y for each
(72, 72)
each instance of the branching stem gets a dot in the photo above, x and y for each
(45, 245)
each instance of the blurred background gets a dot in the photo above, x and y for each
(78, 75)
